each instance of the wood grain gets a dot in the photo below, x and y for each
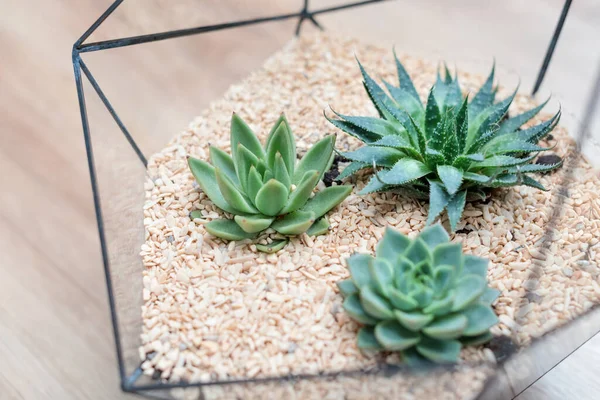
(55, 335)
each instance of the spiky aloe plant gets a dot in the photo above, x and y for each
(447, 150)
(422, 297)
(265, 187)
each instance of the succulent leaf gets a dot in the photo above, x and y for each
(404, 81)
(280, 171)
(232, 195)
(320, 227)
(326, 199)
(403, 171)
(227, 229)
(455, 208)
(384, 156)
(294, 223)
(451, 177)
(242, 134)
(272, 247)
(317, 158)
(422, 295)
(302, 193)
(207, 180)
(253, 223)
(244, 160)
(253, 184)
(395, 337)
(281, 143)
(224, 162)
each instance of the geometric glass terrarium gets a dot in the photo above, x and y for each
(543, 246)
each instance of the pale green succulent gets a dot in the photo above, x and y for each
(446, 150)
(420, 296)
(264, 187)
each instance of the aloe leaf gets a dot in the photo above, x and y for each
(253, 223)
(438, 200)
(500, 161)
(450, 147)
(358, 264)
(504, 180)
(391, 244)
(480, 318)
(406, 101)
(376, 93)
(493, 115)
(401, 301)
(227, 229)
(439, 351)
(280, 171)
(204, 173)
(271, 197)
(514, 123)
(381, 273)
(242, 134)
(375, 304)
(353, 130)
(417, 136)
(300, 195)
(447, 327)
(455, 208)
(223, 161)
(473, 265)
(538, 132)
(232, 195)
(394, 336)
(294, 223)
(468, 289)
(478, 178)
(347, 287)
(433, 115)
(515, 147)
(434, 235)
(476, 340)
(355, 310)
(536, 167)
(453, 95)
(380, 156)
(244, 160)
(253, 184)
(326, 199)
(272, 247)
(320, 227)
(404, 81)
(451, 177)
(418, 251)
(351, 169)
(396, 141)
(404, 171)
(366, 339)
(462, 124)
(529, 181)
(374, 185)
(282, 142)
(375, 125)
(414, 320)
(484, 97)
(317, 158)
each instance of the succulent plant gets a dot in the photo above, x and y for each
(422, 297)
(450, 149)
(265, 187)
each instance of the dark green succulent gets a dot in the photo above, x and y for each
(448, 150)
(422, 297)
(264, 187)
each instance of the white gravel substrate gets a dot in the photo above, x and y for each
(215, 310)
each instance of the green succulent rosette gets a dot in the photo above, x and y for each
(266, 187)
(422, 297)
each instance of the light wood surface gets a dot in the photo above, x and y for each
(55, 334)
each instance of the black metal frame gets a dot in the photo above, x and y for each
(128, 382)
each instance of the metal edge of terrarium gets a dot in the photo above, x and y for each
(78, 65)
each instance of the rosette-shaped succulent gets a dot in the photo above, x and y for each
(264, 187)
(451, 148)
(422, 297)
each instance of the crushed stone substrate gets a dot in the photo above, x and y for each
(215, 310)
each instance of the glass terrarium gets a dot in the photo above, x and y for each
(196, 315)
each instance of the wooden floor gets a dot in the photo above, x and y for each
(55, 334)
